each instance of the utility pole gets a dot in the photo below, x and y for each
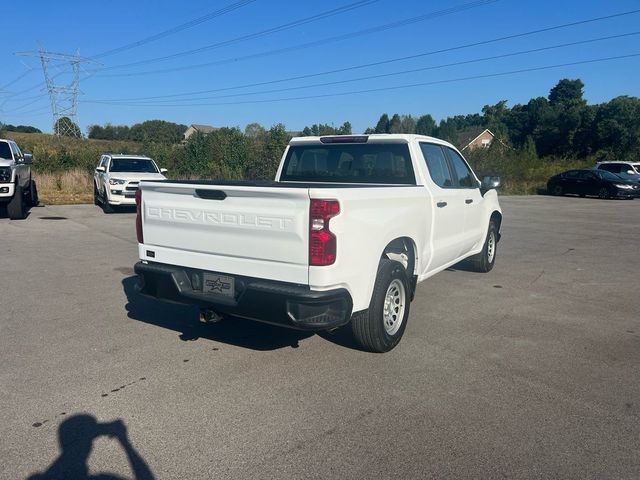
(63, 97)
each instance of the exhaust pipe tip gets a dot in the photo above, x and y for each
(209, 316)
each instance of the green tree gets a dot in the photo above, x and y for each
(65, 127)
(157, 131)
(383, 124)
(426, 125)
(395, 124)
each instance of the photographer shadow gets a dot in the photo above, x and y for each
(184, 319)
(75, 436)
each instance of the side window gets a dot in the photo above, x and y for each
(571, 174)
(437, 165)
(16, 151)
(607, 167)
(463, 172)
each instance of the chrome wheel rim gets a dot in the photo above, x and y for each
(491, 246)
(394, 305)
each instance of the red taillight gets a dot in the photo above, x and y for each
(322, 243)
(139, 217)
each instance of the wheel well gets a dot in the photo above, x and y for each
(496, 217)
(403, 251)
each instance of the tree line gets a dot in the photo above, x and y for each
(537, 139)
(561, 125)
(148, 131)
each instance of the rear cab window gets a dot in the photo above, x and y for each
(376, 163)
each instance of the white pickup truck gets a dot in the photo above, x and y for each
(349, 227)
(17, 187)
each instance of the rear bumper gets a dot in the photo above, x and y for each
(268, 301)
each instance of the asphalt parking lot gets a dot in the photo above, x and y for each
(530, 371)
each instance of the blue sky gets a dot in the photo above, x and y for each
(66, 26)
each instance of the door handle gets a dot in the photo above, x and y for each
(441, 204)
(468, 201)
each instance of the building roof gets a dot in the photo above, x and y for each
(468, 136)
(203, 128)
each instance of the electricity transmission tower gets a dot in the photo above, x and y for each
(63, 96)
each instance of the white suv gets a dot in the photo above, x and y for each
(627, 170)
(116, 179)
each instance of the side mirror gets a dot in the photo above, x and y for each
(100, 169)
(490, 181)
(631, 172)
(163, 170)
(28, 159)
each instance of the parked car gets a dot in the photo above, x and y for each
(600, 183)
(626, 170)
(116, 179)
(17, 189)
(345, 232)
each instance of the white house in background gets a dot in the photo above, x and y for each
(197, 128)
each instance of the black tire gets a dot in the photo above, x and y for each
(17, 209)
(34, 201)
(96, 195)
(557, 190)
(605, 193)
(106, 207)
(368, 327)
(484, 261)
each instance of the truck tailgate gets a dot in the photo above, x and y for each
(255, 231)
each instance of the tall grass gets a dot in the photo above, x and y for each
(72, 186)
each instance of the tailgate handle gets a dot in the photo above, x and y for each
(210, 194)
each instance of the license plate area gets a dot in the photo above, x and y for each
(218, 284)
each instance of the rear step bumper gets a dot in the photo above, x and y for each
(278, 303)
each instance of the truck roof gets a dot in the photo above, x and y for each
(373, 138)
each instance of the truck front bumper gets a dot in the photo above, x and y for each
(268, 301)
(6, 191)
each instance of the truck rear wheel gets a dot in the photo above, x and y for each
(16, 208)
(483, 262)
(381, 327)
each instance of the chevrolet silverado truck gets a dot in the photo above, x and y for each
(18, 190)
(116, 178)
(342, 236)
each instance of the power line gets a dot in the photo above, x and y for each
(176, 29)
(337, 38)
(399, 87)
(17, 79)
(385, 62)
(280, 28)
(385, 75)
